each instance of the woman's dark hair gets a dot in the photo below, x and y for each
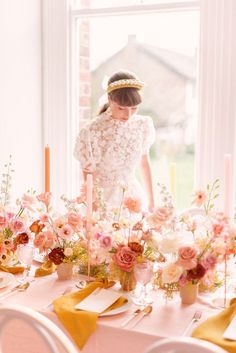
(126, 97)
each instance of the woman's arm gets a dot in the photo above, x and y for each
(147, 179)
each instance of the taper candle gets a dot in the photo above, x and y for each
(173, 180)
(47, 168)
(228, 186)
(89, 195)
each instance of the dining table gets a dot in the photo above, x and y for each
(169, 317)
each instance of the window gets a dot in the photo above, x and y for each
(161, 47)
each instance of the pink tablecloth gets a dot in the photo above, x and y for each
(167, 319)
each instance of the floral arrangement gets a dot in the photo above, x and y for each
(57, 235)
(197, 243)
(13, 220)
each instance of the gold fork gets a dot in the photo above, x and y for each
(196, 317)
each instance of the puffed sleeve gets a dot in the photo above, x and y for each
(149, 134)
(84, 150)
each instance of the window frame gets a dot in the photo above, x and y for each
(59, 76)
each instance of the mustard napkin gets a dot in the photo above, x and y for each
(12, 269)
(213, 329)
(80, 324)
(47, 268)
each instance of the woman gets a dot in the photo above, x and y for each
(113, 144)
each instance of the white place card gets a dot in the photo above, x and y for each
(98, 301)
(230, 332)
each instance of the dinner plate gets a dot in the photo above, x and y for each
(119, 310)
(6, 279)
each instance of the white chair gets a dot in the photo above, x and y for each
(183, 345)
(51, 334)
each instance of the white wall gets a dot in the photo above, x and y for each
(20, 93)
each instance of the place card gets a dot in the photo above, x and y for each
(230, 332)
(98, 301)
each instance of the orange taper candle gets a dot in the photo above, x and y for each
(47, 168)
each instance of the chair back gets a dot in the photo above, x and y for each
(54, 338)
(183, 345)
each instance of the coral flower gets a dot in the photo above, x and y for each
(199, 198)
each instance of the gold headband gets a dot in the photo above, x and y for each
(125, 83)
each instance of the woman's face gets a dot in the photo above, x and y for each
(120, 112)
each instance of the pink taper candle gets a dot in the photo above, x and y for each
(89, 196)
(228, 189)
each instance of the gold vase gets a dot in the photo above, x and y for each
(127, 281)
(188, 293)
(65, 271)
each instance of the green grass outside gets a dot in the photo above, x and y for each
(184, 178)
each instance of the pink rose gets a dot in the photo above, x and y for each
(105, 241)
(124, 258)
(187, 257)
(209, 262)
(17, 226)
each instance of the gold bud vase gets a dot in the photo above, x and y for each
(127, 281)
(188, 293)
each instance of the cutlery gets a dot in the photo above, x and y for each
(144, 312)
(196, 317)
(19, 288)
(136, 312)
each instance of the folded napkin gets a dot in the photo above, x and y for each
(213, 328)
(80, 324)
(47, 268)
(12, 269)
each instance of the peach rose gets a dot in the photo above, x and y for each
(160, 216)
(134, 205)
(171, 273)
(187, 257)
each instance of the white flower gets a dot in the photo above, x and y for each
(171, 273)
(68, 252)
(170, 243)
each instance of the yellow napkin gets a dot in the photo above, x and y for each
(12, 269)
(213, 329)
(47, 268)
(80, 324)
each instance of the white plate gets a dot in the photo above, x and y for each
(119, 310)
(6, 279)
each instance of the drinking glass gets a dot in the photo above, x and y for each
(25, 253)
(143, 273)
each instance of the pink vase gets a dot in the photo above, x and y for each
(65, 271)
(188, 293)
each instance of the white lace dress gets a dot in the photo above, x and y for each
(113, 149)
